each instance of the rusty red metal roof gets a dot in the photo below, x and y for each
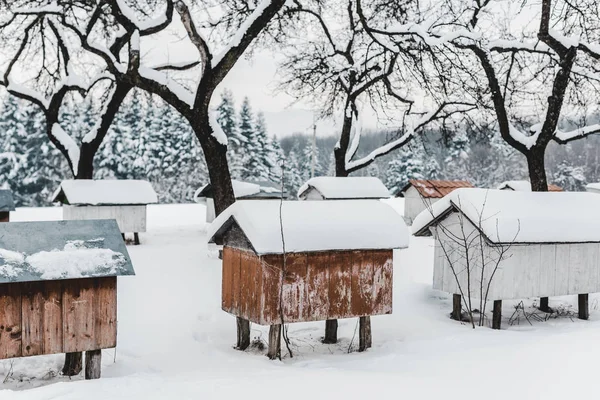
(430, 188)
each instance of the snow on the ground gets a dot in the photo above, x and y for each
(174, 342)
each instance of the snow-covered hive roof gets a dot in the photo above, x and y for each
(105, 192)
(520, 217)
(525, 186)
(54, 250)
(313, 225)
(338, 188)
(6, 201)
(593, 187)
(432, 188)
(244, 190)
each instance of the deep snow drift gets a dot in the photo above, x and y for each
(174, 342)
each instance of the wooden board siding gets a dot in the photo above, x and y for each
(316, 286)
(130, 218)
(528, 270)
(52, 317)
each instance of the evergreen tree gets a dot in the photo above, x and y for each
(249, 148)
(406, 165)
(227, 119)
(259, 165)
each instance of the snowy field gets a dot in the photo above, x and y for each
(174, 342)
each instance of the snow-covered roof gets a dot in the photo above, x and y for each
(105, 192)
(313, 225)
(6, 201)
(520, 217)
(355, 187)
(433, 188)
(241, 190)
(593, 187)
(525, 186)
(34, 251)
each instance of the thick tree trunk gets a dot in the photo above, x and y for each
(537, 171)
(85, 167)
(340, 151)
(73, 364)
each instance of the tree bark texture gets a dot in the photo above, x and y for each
(537, 171)
(274, 351)
(73, 364)
(93, 364)
(331, 327)
(497, 315)
(364, 333)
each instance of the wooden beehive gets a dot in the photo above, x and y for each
(316, 285)
(298, 261)
(58, 286)
(6, 205)
(122, 200)
(63, 316)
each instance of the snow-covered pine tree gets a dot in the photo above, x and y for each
(225, 114)
(293, 178)
(405, 165)
(249, 148)
(259, 165)
(29, 165)
(276, 158)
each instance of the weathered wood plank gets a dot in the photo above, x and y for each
(317, 288)
(271, 286)
(245, 284)
(562, 268)
(53, 317)
(227, 279)
(295, 307)
(362, 283)
(32, 313)
(10, 323)
(78, 315)
(383, 272)
(236, 281)
(547, 270)
(105, 305)
(340, 284)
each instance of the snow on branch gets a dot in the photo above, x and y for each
(68, 143)
(27, 94)
(236, 40)
(563, 137)
(179, 91)
(527, 141)
(408, 135)
(152, 25)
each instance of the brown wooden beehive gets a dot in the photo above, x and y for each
(62, 316)
(58, 288)
(316, 285)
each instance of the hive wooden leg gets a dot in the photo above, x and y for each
(136, 238)
(497, 315)
(544, 306)
(93, 364)
(584, 310)
(123, 236)
(364, 333)
(331, 328)
(73, 364)
(243, 333)
(456, 307)
(274, 342)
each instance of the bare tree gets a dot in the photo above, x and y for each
(472, 260)
(111, 31)
(530, 66)
(350, 68)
